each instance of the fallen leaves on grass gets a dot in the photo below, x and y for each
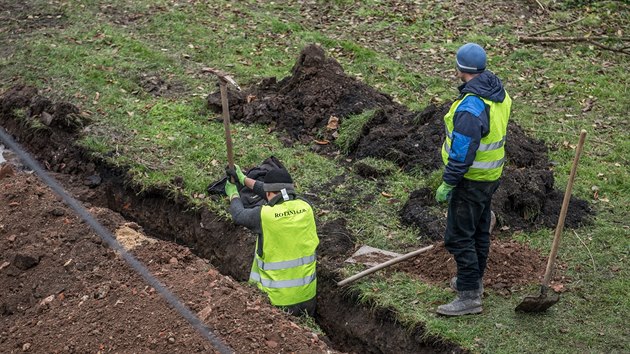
(559, 288)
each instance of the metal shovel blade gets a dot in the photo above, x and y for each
(371, 256)
(539, 303)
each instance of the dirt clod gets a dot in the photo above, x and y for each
(58, 212)
(26, 259)
(421, 211)
(156, 85)
(92, 181)
(366, 171)
(6, 170)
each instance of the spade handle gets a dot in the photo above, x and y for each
(384, 265)
(563, 212)
(226, 124)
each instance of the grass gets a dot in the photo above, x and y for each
(351, 130)
(403, 49)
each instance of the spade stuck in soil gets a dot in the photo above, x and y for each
(546, 299)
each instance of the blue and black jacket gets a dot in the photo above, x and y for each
(471, 122)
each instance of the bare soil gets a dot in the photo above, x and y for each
(161, 86)
(510, 266)
(64, 290)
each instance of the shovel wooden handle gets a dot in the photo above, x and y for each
(383, 265)
(226, 124)
(563, 212)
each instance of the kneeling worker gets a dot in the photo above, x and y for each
(284, 260)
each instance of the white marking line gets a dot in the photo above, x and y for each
(2, 159)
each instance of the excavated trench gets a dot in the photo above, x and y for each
(349, 325)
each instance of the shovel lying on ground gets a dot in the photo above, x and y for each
(392, 261)
(548, 298)
(366, 254)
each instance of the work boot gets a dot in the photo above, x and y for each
(454, 285)
(465, 303)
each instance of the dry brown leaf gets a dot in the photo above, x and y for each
(321, 142)
(559, 288)
(333, 123)
(588, 105)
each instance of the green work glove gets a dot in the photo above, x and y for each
(236, 174)
(230, 189)
(443, 192)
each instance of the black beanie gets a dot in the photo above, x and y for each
(277, 180)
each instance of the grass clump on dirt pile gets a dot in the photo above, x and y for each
(351, 129)
(404, 50)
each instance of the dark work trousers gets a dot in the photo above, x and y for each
(307, 307)
(467, 235)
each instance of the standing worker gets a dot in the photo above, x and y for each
(473, 154)
(284, 260)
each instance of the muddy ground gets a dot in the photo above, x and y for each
(301, 105)
(63, 290)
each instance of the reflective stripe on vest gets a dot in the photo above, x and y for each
(286, 268)
(482, 147)
(479, 164)
(278, 284)
(285, 264)
(490, 156)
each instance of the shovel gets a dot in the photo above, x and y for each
(365, 255)
(548, 298)
(224, 79)
(377, 267)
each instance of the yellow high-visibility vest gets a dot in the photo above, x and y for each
(490, 157)
(286, 269)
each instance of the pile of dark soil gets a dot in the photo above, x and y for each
(64, 290)
(421, 211)
(61, 114)
(301, 105)
(525, 200)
